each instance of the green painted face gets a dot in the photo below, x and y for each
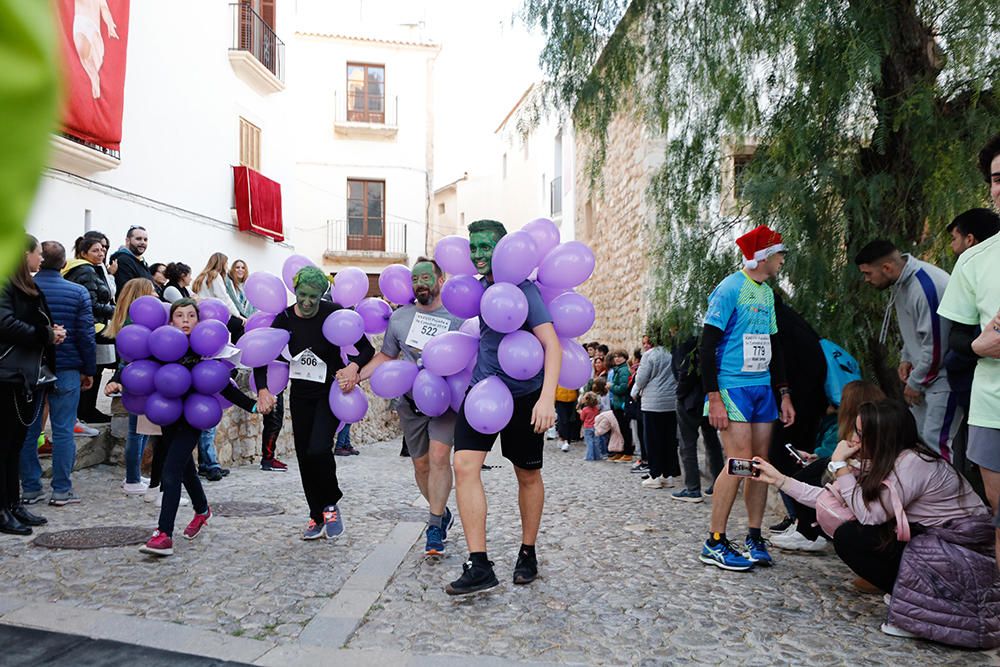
(481, 247)
(307, 299)
(425, 282)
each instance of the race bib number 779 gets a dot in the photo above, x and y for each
(756, 352)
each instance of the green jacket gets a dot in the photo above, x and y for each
(618, 386)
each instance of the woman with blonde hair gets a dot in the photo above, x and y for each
(235, 280)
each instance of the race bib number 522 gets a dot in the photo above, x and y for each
(424, 328)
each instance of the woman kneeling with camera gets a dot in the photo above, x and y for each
(905, 520)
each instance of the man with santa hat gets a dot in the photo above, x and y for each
(740, 363)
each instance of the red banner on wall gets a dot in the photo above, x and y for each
(258, 203)
(94, 39)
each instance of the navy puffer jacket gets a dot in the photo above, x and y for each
(70, 306)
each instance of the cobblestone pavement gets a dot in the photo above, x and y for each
(620, 581)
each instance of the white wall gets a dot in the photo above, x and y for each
(180, 138)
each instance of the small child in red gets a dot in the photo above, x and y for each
(588, 411)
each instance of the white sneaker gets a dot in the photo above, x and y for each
(134, 489)
(183, 501)
(653, 483)
(82, 429)
(796, 541)
(893, 631)
(564, 446)
(668, 482)
(551, 433)
(151, 494)
(887, 599)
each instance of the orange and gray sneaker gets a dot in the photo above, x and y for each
(333, 523)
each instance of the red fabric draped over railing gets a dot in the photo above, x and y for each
(258, 203)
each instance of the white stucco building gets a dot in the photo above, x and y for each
(204, 92)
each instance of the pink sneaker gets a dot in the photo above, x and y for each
(197, 523)
(159, 544)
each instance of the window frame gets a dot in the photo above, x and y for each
(365, 116)
(365, 241)
(250, 144)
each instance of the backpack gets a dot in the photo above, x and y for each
(841, 368)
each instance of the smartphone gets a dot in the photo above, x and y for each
(743, 468)
(795, 454)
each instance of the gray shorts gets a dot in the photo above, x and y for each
(984, 447)
(420, 429)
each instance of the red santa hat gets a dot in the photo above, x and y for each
(759, 244)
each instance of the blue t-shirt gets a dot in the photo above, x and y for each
(488, 362)
(744, 310)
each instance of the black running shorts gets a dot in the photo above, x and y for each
(519, 443)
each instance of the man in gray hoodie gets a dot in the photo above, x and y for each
(916, 288)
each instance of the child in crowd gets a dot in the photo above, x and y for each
(588, 411)
(600, 389)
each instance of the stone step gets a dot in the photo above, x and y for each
(89, 451)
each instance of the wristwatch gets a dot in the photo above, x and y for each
(834, 466)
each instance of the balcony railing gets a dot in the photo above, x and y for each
(252, 34)
(555, 196)
(392, 240)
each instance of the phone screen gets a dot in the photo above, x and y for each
(743, 468)
(795, 454)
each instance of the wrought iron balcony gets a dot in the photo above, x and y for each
(252, 35)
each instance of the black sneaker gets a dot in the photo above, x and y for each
(786, 523)
(213, 474)
(640, 468)
(526, 569)
(224, 471)
(474, 578)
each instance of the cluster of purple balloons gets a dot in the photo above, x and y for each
(159, 387)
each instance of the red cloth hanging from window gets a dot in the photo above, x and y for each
(258, 203)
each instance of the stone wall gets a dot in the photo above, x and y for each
(614, 218)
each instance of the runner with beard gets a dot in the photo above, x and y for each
(429, 439)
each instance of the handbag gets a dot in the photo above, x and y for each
(21, 362)
(832, 512)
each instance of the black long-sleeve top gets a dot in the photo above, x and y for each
(308, 334)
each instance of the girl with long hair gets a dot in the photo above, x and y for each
(235, 280)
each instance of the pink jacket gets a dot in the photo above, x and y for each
(606, 423)
(931, 493)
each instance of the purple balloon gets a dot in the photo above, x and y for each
(550, 293)
(202, 412)
(504, 307)
(431, 393)
(376, 313)
(261, 346)
(168, 343)
(458, 384)
(137, 377)
(148, 311)
(172, 380)
(572, 314)
(449, 353)
(396, 283)
(266, 292)
(545, 233)
(293, 265)
(521, 355)
(163, 411)
(461, 296)
(576, 365)
(213, 309)
(208, 338)
(132, 342)
(471, 327)
(134, 403)
(514, 258)
(349, 408)
(343, 327)
(277, 378)
(489, 406)
(393, 378)
(452, 254)
(258, 321)
(210, 376)
(567, 265)
(350, 286)
(471, 368)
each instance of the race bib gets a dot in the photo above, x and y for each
(424, 328)
(307, 366)
(756, 352)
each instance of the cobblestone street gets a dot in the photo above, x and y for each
(620, 580)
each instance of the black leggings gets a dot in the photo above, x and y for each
(805, 516)
(661, 443)
(272, 428)
(15, 409)
(565, 411)
(179, 440)
(313, 429)
(873, 552)
(159, 456)
(626, 429)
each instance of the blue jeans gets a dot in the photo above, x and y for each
(134, 445)
(207, 458)
(344, 437)
(593, 444)
(64, 398)
(603, 443)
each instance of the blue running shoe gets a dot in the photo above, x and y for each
(333, 522)
(446, 523)
(724, 555)
(313, 531)
(435, 541)
(756, 551)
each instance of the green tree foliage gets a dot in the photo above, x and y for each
(866, 114)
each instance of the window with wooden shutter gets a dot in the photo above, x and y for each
(365, 215)
(249, 145)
